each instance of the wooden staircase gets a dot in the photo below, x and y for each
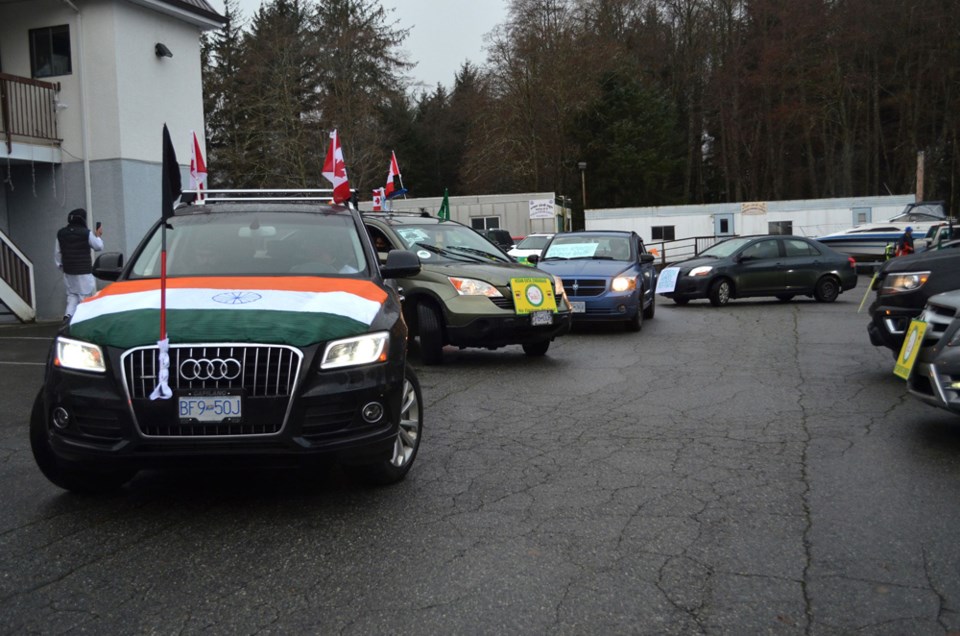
(17, 285)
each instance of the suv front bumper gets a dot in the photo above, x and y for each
(888, 325)
(500, 331)
(323, 418)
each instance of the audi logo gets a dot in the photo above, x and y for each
(210, 369)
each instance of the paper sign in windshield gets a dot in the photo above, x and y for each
(667, 280)
(573, 250)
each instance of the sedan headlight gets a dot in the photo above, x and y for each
(351, 352)
(703, 270)
(623, 283)
(472, 287)
(899, 283)
(79, 355)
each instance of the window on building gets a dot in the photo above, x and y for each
(663, 233)
(780, 227)
(50, 51)
(485, 222)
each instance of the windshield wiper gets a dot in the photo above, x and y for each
(442, 252)
(473, 250)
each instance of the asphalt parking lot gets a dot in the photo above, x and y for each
(749, 469)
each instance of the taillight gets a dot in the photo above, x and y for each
(853, 263)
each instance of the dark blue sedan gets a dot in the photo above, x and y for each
(607, 275)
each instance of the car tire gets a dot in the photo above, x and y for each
(648, 312)
(720, 292)
(785, 298)
(827, 289)
(536, 349)
(430, 329)
(406, 444)
(74, 478)
(636, 322)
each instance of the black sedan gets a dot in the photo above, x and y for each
(745, 266)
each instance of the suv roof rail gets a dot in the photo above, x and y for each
(324, 195)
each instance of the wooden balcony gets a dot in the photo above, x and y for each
(28, 111)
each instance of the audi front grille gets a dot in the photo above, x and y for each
(265, 374)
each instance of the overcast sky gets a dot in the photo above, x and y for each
(443, 33)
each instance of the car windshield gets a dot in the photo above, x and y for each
(448, 242)
(255, 244)
(597, 247)
(533, 243)
(725, 248)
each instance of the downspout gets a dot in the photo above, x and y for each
(84, 127)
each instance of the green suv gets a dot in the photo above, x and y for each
(468, 292)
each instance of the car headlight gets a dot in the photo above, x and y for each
(899, 283)
(79, 355)
(472, 287)
(623, 283)
(703, 270)
(350, 352)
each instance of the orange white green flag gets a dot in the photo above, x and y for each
(295, 310)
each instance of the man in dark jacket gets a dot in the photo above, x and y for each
(905, 244)
(72, 256)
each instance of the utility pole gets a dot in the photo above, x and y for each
(920, 176)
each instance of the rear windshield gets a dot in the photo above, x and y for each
(255, 244)
(533, 243)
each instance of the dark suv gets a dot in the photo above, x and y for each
(469, 293)
(286, 344)
(904, 284)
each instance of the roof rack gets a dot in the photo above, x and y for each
(324, 195)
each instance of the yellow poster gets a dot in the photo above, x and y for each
(910, 349)
(533, 294)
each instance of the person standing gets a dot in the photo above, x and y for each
(905, 244)
(72, 256)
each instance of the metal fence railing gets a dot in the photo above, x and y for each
(28, 110)
(16, 271)
(681, 249)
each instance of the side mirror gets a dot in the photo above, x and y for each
(400, 264)
(647, 258)
(533, 259)
(108, 266)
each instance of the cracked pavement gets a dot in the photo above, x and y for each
(749, 469)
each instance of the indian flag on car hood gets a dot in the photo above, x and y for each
(296, 310)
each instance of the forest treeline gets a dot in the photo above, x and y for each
(667, 101)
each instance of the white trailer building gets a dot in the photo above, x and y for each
(519, 214)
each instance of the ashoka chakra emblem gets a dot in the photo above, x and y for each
(237, 297)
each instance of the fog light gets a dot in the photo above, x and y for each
(61, 419)
(372, 412)
(622, 309)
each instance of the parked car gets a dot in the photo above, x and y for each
(903, 286)
(751, 266)
(275, 357)
(607, 275)
(469, 293)
(935, 377)
(500, 238)
(532, 244)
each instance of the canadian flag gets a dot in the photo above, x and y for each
(391, 190)
(378, 200)
(335, 170)
(198, 169)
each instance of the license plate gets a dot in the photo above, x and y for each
(210, 408)
(541, 318)
(579, 307)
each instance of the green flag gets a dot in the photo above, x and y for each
(444, 211)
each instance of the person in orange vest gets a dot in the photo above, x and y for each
(905, 244)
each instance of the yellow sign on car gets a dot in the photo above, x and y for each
(533, 294)
(910, 349)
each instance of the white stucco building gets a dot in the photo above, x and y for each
(90, 84)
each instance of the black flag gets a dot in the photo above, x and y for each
(171, 186)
